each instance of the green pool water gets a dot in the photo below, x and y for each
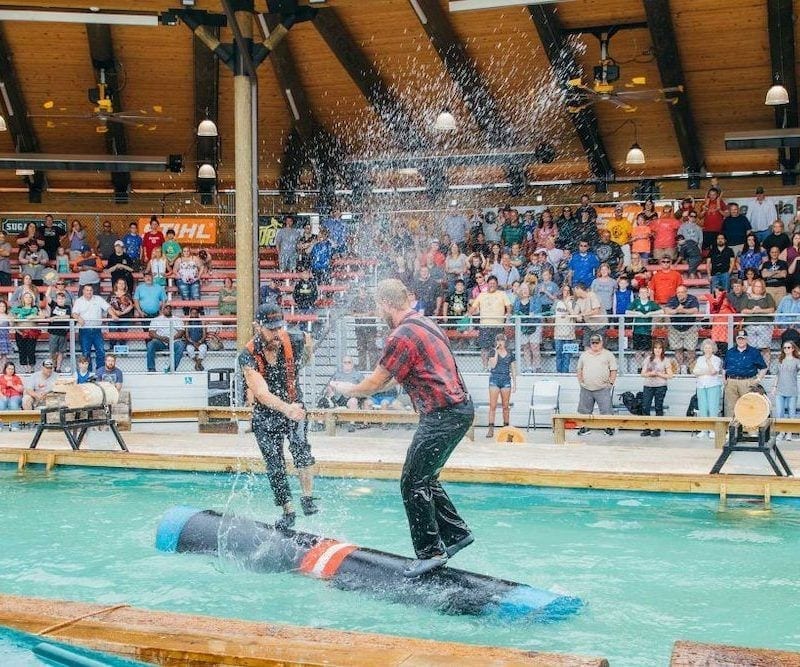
(652, 568)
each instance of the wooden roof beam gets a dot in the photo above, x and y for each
(309, 141)
(462, 69)
(566, 67)
(101, 51)
(17, 119)
(367, 79)
(662, 32)
(780, 22)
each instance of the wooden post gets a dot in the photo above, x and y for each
(246, 190)
(330, 424)
(720, 434)
(767, 496)
(559, 432)
(22, 461)
(723, 496)
(51, 462)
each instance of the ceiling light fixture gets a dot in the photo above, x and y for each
(206, 171)
(777, 96)
(207, 128)
(469, 5)
(24, 172)
(3, 126)
(635, 155)
(445, 122)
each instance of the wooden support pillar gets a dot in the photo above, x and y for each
(246, 185)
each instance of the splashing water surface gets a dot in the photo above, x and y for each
(651, 568)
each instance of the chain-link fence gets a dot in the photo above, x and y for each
(544, 345)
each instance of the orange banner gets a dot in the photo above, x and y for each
(188, 231)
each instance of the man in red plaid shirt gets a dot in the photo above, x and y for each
(417, 355)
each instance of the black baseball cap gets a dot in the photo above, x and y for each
(269, 316)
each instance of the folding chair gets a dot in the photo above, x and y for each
(544, 403)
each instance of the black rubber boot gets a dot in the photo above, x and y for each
(286, 521)
(646, 432)
(419, 567)
(464, 542)
(307, 503)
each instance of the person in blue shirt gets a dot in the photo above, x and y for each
(337, 233)
(583, 265)
(83, 374)
(788, 315)
(623, 296)
(148, 297)
(321, 255)
(133, 245)
(744, 367)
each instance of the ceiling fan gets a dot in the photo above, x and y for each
(103, 112)
(602, 88)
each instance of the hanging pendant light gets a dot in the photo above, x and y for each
(777, 96)
(635, 155)
(207, 128)
(206, 171)
(445, 122)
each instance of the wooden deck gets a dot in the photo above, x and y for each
(178, 639)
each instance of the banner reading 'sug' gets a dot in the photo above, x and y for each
(188, 231)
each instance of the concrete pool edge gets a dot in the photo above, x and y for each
(691, 483)
(169, 638)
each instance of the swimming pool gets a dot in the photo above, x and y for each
(652, 568)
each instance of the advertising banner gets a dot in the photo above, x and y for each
(16, 226)
(188, 231)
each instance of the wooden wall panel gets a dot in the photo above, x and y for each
(338, 104)
(146, 84)
(510, 57)
(656, 133)
(52, 63)
(725, 52)
(396, 43)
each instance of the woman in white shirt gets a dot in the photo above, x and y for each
(708, 371)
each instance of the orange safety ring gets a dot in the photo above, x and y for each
(509, 434)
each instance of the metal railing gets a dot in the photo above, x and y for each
(541, 344)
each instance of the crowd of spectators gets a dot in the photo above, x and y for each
(662, 270)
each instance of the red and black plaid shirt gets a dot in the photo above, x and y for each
(417, 354)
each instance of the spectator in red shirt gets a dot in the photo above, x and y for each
(665, 233)
(665, 282)
(713, 212)
(152, 238)
(417, 355)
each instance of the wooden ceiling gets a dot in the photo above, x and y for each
(723, 46)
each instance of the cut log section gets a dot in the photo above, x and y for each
(91, 394)
(751, 410)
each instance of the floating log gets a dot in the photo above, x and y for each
(264, 548)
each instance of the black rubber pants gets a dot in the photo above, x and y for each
(270, 430)
(432, 518)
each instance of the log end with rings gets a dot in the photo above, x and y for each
(510, 435)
